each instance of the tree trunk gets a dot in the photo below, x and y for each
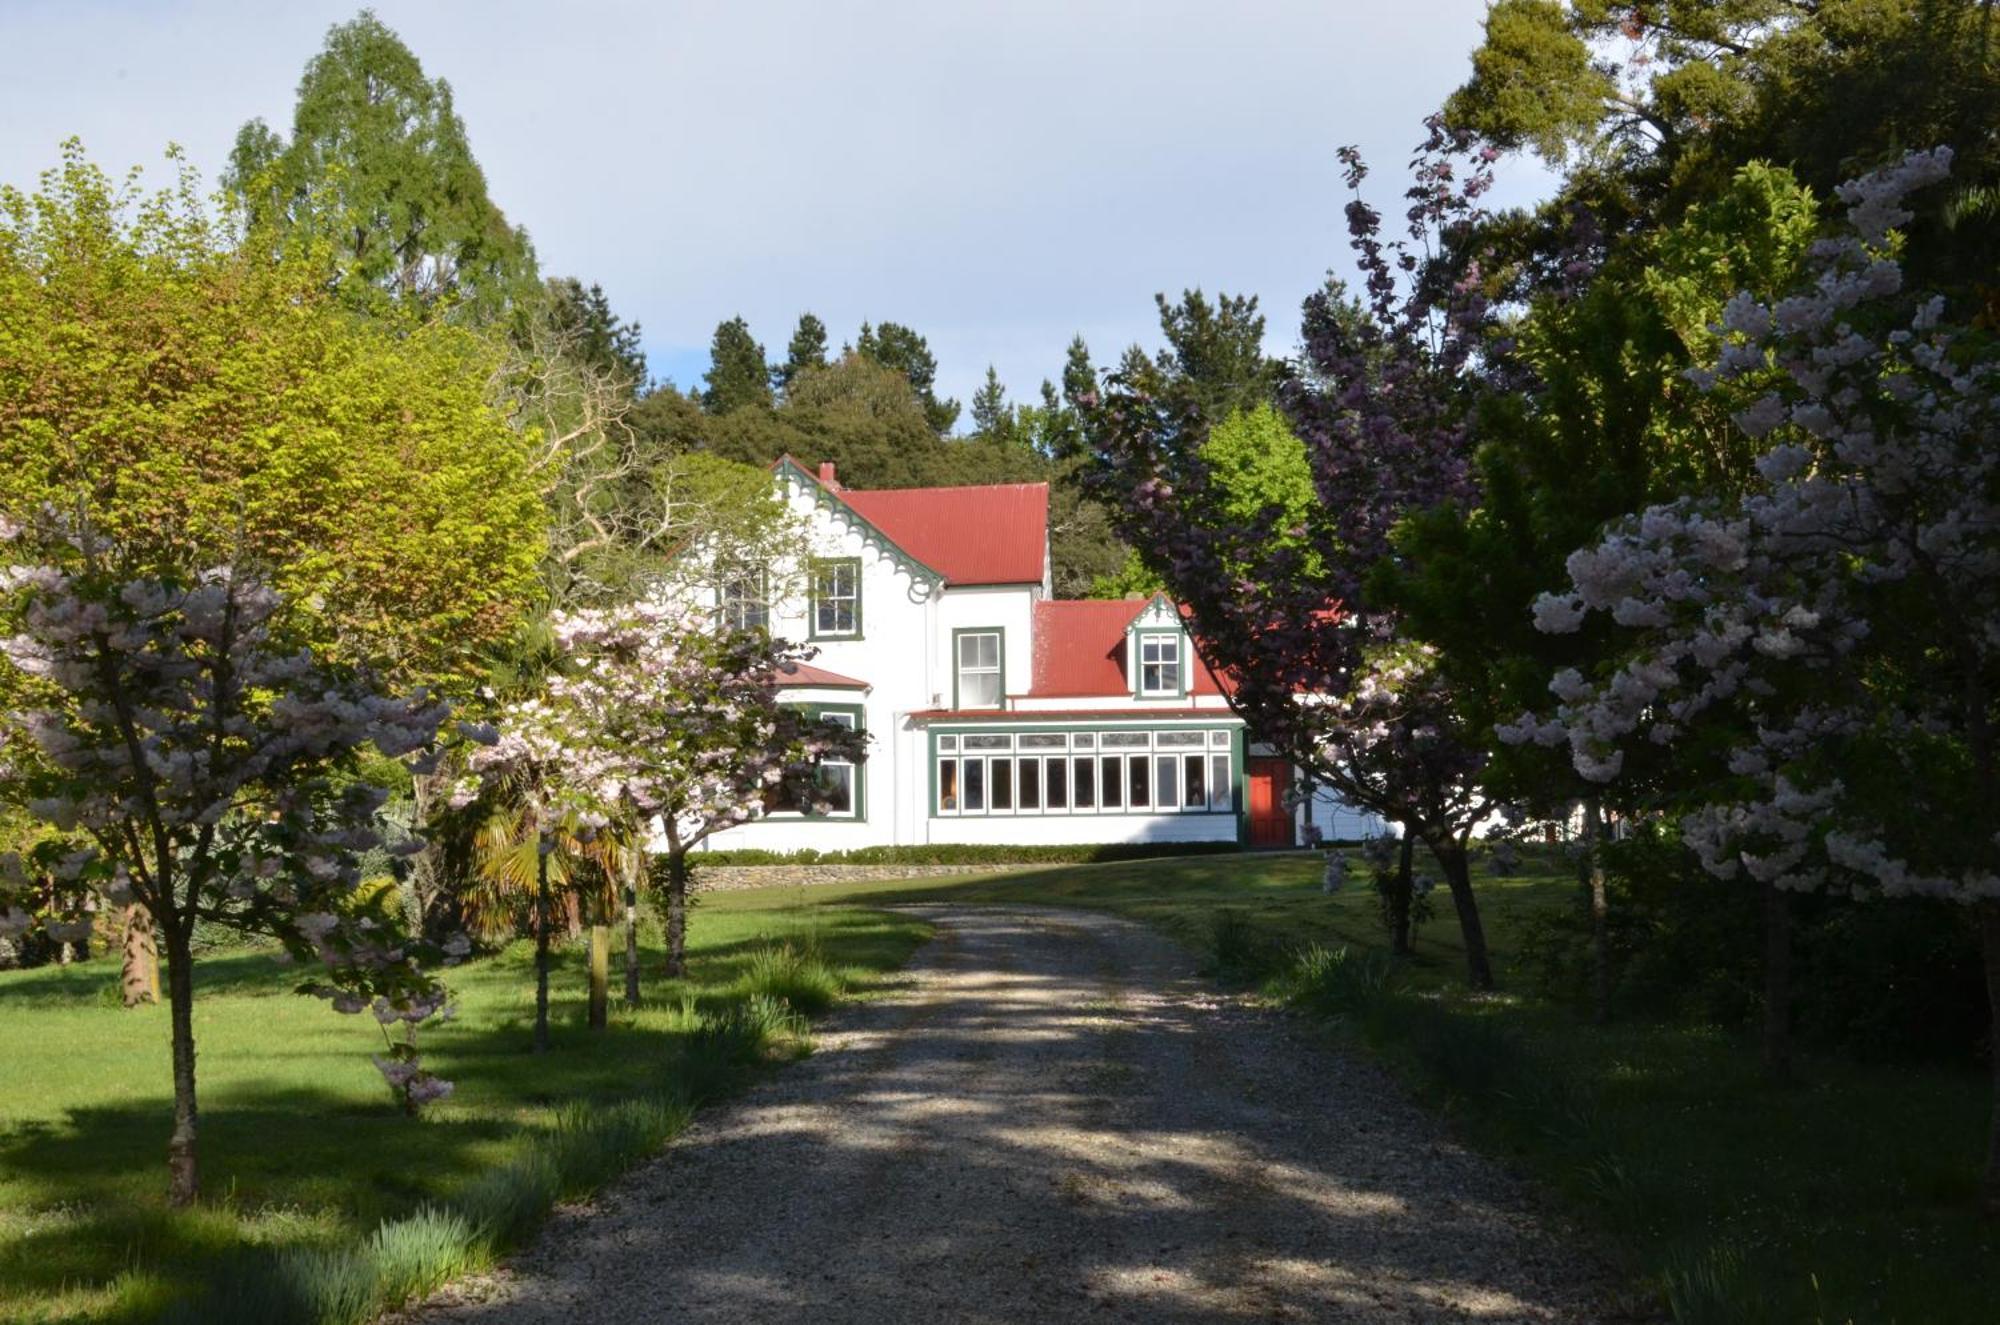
(600, 976)
(183, 1168)
(632, 930)
(1989, 941)
(1590, 872)
(677, 880)
(140, 976)
(541, 945)
(1399, 896)
(1458, 874)
(1777, 983)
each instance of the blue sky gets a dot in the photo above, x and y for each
(998, 176)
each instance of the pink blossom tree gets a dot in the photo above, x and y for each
(657, 714)
(1837, 628)
(209, 763)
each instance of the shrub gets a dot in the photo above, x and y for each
(967, 854)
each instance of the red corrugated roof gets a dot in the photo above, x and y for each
(1080, 649)
(805, 674)
(994, 534)
(1027, 717)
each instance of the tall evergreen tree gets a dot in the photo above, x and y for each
(379, 166)
(989, 406)
(895, 346)
(598, 336)
(1079, 378)
(737, 373)
(806, 351)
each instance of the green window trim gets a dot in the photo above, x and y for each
(1183, 662)
(821, 565)
(1237, 810)
(1000, 634)
(859, 814)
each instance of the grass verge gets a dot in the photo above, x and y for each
(323, 1204)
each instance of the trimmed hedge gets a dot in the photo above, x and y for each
(955, 854)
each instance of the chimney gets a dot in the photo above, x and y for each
(826, 475)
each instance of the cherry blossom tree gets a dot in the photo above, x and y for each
(1290, 608)
(174, 725)
(1838, 628)
(656, 715)
(685, 713)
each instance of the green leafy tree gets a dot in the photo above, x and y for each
(806, 352)
(379, 169)
(201, 400)
(737, 374)
(896, 346)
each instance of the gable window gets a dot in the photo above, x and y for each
(836, 598)
(746, 603)
(980, 681)
(1159, 663)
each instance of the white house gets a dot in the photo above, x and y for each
(997, 713)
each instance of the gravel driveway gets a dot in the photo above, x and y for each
(1053, 1120)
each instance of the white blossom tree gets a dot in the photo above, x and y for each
(1837, 631)
(209, 764)
(663, 714)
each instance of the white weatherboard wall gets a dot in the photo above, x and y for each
(1083, 829)
(1008, 608)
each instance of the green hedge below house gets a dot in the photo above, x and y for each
(959, 854)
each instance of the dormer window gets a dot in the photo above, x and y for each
(1159, 662)
(836, 598)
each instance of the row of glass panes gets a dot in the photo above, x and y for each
(1084, 784)
(1119, 740)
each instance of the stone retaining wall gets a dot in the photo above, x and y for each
(723, 878)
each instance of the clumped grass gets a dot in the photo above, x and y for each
(795, 975)
(1238, 950)
(591, 1144)
(1332, 982)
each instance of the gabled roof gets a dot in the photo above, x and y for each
(996, 533)
(1080, 649)
(993, 533)
(804, 675)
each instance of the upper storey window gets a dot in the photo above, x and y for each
(1160, 662)
(981, 683)
(746, 603)
(836, 598)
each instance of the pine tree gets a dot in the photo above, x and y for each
(806, 351)
(895, 346)
(989, 406)
(737, 374)
(1079, 378)
(599, 337)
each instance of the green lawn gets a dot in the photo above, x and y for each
(1847, 1198)
(301, 1144)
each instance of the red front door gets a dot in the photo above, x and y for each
(1270, 817)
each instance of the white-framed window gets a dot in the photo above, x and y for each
(1111, 772)
(836, 598)
(746, 603)
(981, 683)
(1159, 662)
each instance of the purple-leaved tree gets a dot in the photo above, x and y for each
(1290, 612)
(210, 764)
